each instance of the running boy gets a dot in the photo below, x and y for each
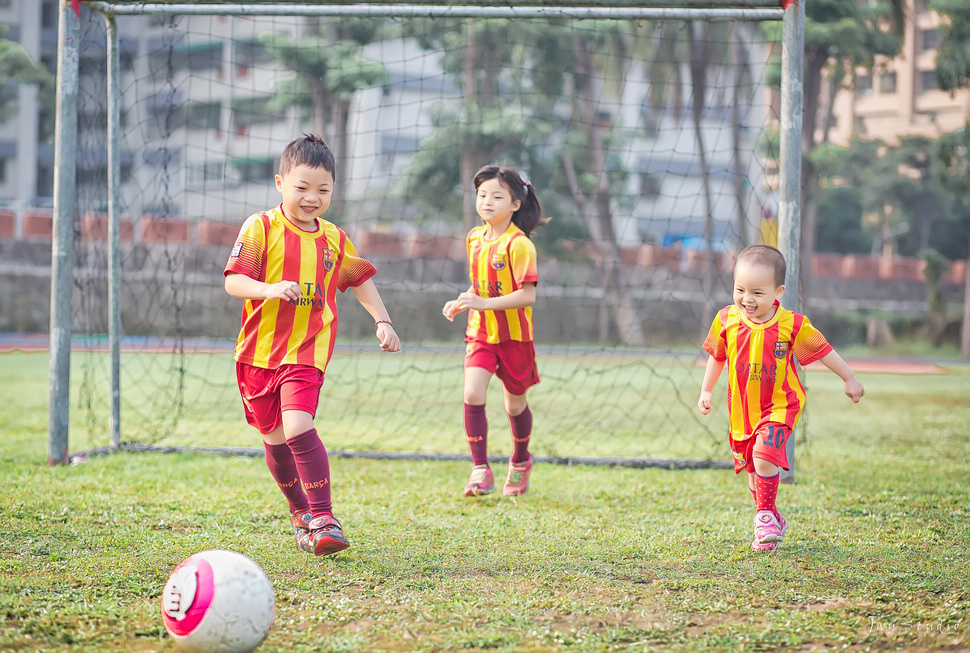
(288, 263)
(503, 272)
(761, 340)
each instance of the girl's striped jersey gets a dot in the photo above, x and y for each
(499, 267)
(763, 384)
(270, 248)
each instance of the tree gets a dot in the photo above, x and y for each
(953, 72)
(522, 119)
(329, 70)
(840, 36)
(953, 55)
(16, 66)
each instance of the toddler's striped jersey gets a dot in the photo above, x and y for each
(763, 384)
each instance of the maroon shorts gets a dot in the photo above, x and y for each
(267, 393)
(769, 443)
(513, 362)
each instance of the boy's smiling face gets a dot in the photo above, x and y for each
(755, 291)
(307, 193)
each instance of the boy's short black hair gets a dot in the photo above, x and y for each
(308, 150)
(767, 256)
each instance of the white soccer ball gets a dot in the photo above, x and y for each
(218, 601)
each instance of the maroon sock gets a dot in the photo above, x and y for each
(766, 488)
(476, 432)
(281, 465)
(521, 433)
(314, 467)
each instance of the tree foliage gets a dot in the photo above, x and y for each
(16, 66)
(953, 55)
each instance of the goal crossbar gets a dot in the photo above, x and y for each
(587, 11)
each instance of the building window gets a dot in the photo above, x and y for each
(932, 38)
(887, 83)
(204, 115)
(251, 111)
(650, 185)
(248, 55)
(3, 171)
(48, 15)
(928, 81)
(863, 85)
(205, 173)
(195, 57)
(254, 169)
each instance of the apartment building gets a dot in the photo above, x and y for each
(901, 97)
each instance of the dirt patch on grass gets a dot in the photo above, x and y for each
(832, 604)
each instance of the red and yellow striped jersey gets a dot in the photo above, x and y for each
(271, 249)
(763, 383)
(499, 267)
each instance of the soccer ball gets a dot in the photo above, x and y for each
(218, 601)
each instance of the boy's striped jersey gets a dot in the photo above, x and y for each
(763, 384)
(270, 248)
(499, 267)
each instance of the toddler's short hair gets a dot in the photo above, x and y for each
(308, 150)
(767, 256)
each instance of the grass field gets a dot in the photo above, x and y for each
(593, 559)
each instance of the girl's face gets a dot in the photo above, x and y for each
(755, 291)
(494, 203)
(307, 193)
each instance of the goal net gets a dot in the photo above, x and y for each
(647, 140)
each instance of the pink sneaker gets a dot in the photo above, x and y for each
(517, 482)
(766, 528)
(782, 524)
(771, 546)
(480, 482)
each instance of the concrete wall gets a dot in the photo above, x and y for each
(176, 290)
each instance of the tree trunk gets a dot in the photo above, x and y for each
(814, 64)
(739, 60)
(965, 328)
(597, 211)
(340, 147)
(468, 152)
(699, 60)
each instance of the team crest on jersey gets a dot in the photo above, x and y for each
(328, 258)
(236, 248)
(781, 348)
(498, 261)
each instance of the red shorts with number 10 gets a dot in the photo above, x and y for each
(769, 443)
(513, 362)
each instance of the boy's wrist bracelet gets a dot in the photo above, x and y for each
(387, 322)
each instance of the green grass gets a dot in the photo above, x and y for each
(593, 559)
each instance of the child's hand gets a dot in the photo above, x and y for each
(854, 390)
(468, 300)
(450, 310)
(288, 290)
(704, 403)
(388, 337)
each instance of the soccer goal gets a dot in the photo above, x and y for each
(651, 131)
